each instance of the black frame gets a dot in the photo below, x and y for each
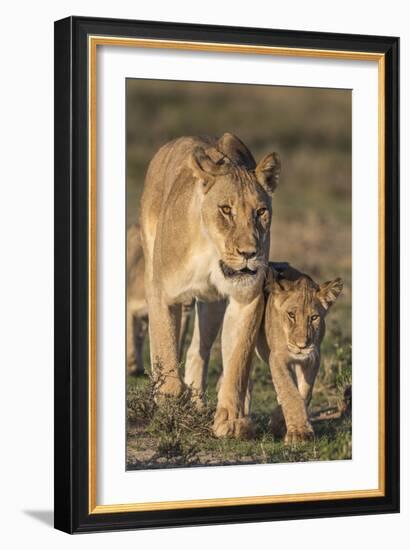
(71, 275)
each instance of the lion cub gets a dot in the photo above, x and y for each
(289, 340)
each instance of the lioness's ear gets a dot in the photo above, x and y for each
(270, 278)
(236, 150)
(268, 172)
(275, 282)
(206, 169)
(328, 292)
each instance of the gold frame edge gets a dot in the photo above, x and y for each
(93, 42)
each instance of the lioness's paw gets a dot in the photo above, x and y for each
(199, 402)
(224, 426)
(197, 398)
(172, 386)
(277, 423)
(134, 370)
(299, 434)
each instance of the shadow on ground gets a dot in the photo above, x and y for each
(43, 516)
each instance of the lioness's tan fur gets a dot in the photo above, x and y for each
(137, 309)
(289, 340)
(205, 219)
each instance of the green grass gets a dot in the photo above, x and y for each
(176, 434)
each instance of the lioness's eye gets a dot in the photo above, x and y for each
(291, 315)
(226, 209)
(314, 317)
(261, 211)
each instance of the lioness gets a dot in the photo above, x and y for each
(137, 309)
(205, 219)
(289, 340)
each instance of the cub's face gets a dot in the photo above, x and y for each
(302, 306)
(236, 210)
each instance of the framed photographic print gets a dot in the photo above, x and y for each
(226, 274)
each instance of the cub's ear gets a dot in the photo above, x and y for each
(329, 292)
(205, 169)
(268, 172)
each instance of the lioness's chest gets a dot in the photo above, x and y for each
(198, 277)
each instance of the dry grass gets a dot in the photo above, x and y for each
(176, 434)
(175, 428)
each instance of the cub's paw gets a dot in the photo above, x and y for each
(299, 434)
(226, 425)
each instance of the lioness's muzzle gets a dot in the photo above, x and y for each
(229, 272)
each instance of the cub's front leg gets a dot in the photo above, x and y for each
(240, 327)
(292, 406)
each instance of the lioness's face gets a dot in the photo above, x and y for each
(237, 215)
(303, 306)
(236, 210)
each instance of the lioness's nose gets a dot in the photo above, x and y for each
(247, 254)
(302, 344)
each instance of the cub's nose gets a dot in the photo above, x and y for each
(247, 254)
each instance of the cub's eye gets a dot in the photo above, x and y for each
(314, 317)
(291, 315)
(261, 211)
(226, 209)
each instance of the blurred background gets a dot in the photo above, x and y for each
(311, 229)
(309, 127)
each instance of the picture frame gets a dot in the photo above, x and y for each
(77, 40)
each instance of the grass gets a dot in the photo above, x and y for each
(177, 434)
(311, 229)
(176, 425)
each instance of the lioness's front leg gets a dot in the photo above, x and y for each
(291, 403)
(208, 320)
(164, 322)
(240, 327)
